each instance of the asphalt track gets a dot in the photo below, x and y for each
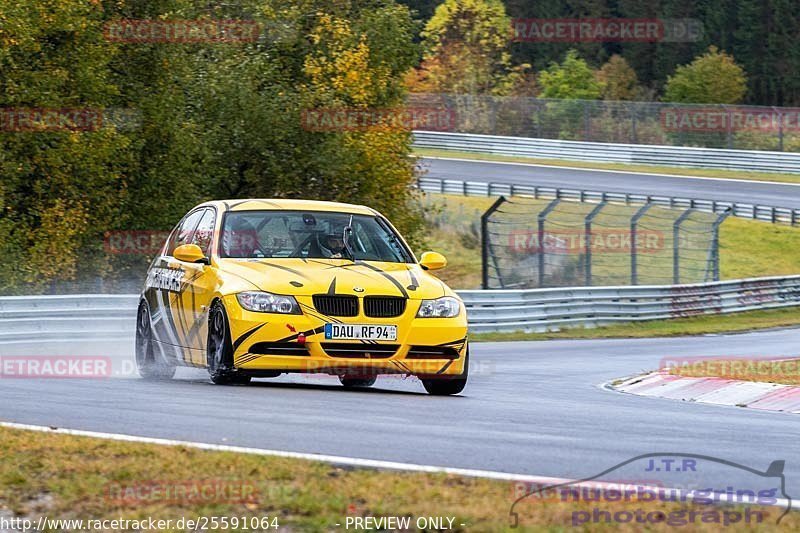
(748, 192)
(533, 408)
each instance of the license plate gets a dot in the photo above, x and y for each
(360, 332)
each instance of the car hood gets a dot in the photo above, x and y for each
(320, 276)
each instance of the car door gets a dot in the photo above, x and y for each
(165, 283)
(199, 283)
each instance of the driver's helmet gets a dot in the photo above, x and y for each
(333, 242)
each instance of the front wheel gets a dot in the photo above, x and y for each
(448, 385)
(220, 349)
(148, 365)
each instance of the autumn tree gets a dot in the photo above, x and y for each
(619, 80)
(467, 50)
(713, 78)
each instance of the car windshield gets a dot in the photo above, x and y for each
(310, 235)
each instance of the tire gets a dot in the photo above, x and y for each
(219, 349)
(357, 383)
(148, 364)
(448, 385)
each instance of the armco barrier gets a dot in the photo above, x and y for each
(27, 319)
(92, 317)
(541, 310)
(783, 215)
(680, 156)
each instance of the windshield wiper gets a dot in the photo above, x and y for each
(348, 231)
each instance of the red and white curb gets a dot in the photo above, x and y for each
(718, 391)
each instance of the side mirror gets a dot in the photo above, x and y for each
(190, 253)
(432, 261)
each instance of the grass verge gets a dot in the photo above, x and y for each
(700, 325)
(77, 477)
(649, 169)
(748, 248)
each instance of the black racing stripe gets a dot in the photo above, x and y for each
(249, 358)
(345, 266)
(306, 333)
(414, 282)
(178, 299)
(285, 269)
(332, 287)
(170, 318)
(387, 276)
(244, 336)
(319, 316)
(446, 366)
(459, 341)
(403, 365)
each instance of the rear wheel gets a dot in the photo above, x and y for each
(147, 363)
(355, 383)
(220, 349)
(448, 385)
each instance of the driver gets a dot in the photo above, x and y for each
(333, 245)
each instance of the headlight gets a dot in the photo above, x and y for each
(446, 307)
(265, 302)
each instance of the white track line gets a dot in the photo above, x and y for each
(679, 176)
(538, 481)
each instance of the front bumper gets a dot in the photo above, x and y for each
(271, 342)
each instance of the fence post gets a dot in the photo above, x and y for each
(587, 237)
(780, 129)
(715, 242)
(540, 234)
(586, 121)
(730, 127)
(634, 231)
(485, 251)
(676, 256)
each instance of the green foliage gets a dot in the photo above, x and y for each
(211, 120)
(572, 79)
(467, 50)
(713, 78)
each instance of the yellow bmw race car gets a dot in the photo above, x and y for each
(257, 288)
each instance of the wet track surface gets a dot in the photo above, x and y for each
(748, 192)
(530, 408)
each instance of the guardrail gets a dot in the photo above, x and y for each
(765, 213)
(27, 319)
(680, 156)
(540, 310)
(95, 316)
